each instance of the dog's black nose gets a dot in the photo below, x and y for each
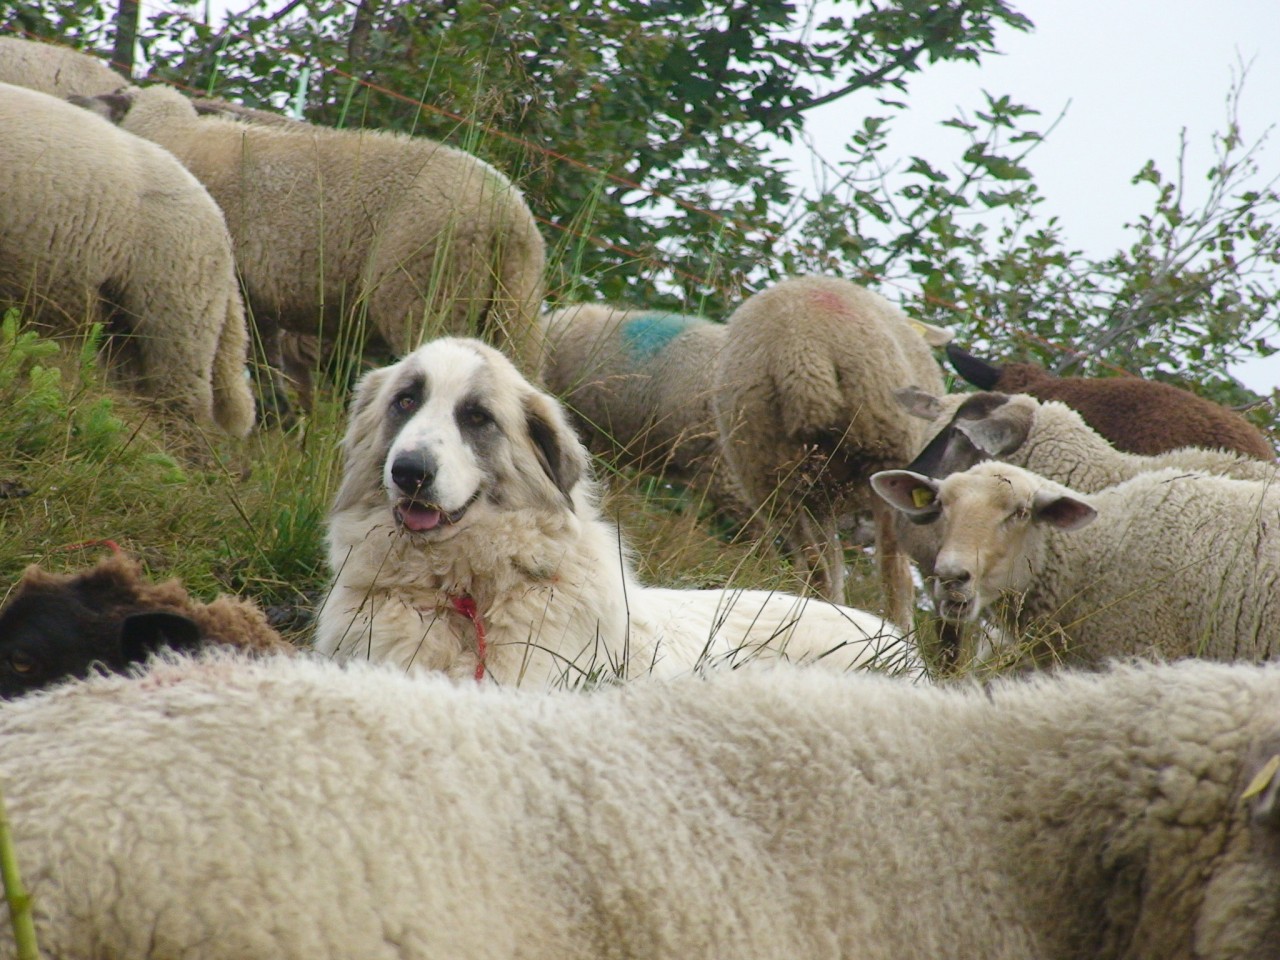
(413, 472)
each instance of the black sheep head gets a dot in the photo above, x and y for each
(61, 628)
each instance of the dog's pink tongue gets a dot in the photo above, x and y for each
(418, 518)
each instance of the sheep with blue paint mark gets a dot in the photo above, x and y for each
(639, 383)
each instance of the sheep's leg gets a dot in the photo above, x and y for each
(818, 545)
(176, 360)
(893, 566)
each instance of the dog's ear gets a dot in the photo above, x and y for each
(559, 451)
(362, 473)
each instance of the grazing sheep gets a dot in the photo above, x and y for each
(56, 70)
(1138, 416)
(638, 382)
(291, 809)
(466, 537)
(346, 230)
(1178, 563)
(805, 406)
(1048, 438)
(97, 225)
(58, 626)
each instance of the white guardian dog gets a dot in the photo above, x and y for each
(466, 538)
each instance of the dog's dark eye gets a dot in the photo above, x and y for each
(21, 663)
(405, 402)
(475, 416)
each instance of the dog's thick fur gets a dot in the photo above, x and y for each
(462, 480)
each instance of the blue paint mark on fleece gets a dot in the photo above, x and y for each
(647, 335)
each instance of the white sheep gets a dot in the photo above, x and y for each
(97, 225)
(638, 382)
(404, 237)
(56, 70)
(1177, 563)
(1046, 437)
(806, 410)
(290, 809)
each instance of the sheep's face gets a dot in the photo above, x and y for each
(57, 629)
(993, 519)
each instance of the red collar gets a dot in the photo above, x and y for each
(466, 606)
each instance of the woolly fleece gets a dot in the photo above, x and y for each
(290, 809)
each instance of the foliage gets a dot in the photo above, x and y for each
(656, 114)
(643, 133)
(81, 463)
(1195, 290)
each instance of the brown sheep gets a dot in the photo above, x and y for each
(58, 626)
(1136, 415)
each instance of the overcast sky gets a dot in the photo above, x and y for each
(1131, 75)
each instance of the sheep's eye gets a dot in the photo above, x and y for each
(21, 663)
(405, 402)
(476, 416)
(1019, 515)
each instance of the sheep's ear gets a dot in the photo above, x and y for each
(142, 634)
(1262, 791)
(109, 106)
(918, 403)
(1003, 430)
(980, 373)
(912, 493)
(947, 453)
(1062, 510)
(557, 448)
(933, 336)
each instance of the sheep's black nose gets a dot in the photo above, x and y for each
(413, 472)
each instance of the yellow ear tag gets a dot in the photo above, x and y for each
(922, 497)
(919, 327)
(1263, 779)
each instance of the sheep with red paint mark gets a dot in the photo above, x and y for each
(804, 400)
